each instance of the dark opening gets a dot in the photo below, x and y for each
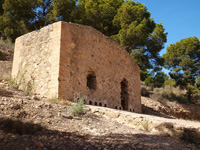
(124, 94)
(95, 103)
(120, 108)
(100, 104)
(130, 110)
(90, 102)
(105, 105)
(91, 81)
(115, 107)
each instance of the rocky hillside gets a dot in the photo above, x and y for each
(27, 122)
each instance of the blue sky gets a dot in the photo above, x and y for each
(180, 18)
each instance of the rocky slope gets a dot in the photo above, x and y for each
(170, 109)
(29, 123)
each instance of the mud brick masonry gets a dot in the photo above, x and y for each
(66, 61)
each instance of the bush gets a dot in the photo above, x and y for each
(174, 94)
(78, 108)
(149, 81)
(170, 82)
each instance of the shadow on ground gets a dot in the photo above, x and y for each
(5, 93)
(14, 134)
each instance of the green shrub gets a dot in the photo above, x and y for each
(78, 108)
(149, 81)
(170, 82)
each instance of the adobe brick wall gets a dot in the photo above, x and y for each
(60, 57)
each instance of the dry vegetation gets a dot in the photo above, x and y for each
(6, 45)
(169, 93)
(6, 50)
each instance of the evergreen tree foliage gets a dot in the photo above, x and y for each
(1, 7)
(63, 10)
(99, 14)
(183, 59)
(127, 22)
(156, 79)
(1, 13)
(22, 16)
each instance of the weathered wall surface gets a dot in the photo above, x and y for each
(36, 56)
(84, 50)
(5, 69)
(59, 61)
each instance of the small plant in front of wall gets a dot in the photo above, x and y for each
(17, 81)
(78, 108)
(54, 100)
(28, 87)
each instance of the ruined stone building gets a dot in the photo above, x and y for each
(64, 60)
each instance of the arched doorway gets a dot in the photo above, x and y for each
(124, 94)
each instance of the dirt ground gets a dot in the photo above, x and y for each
(28, 123)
